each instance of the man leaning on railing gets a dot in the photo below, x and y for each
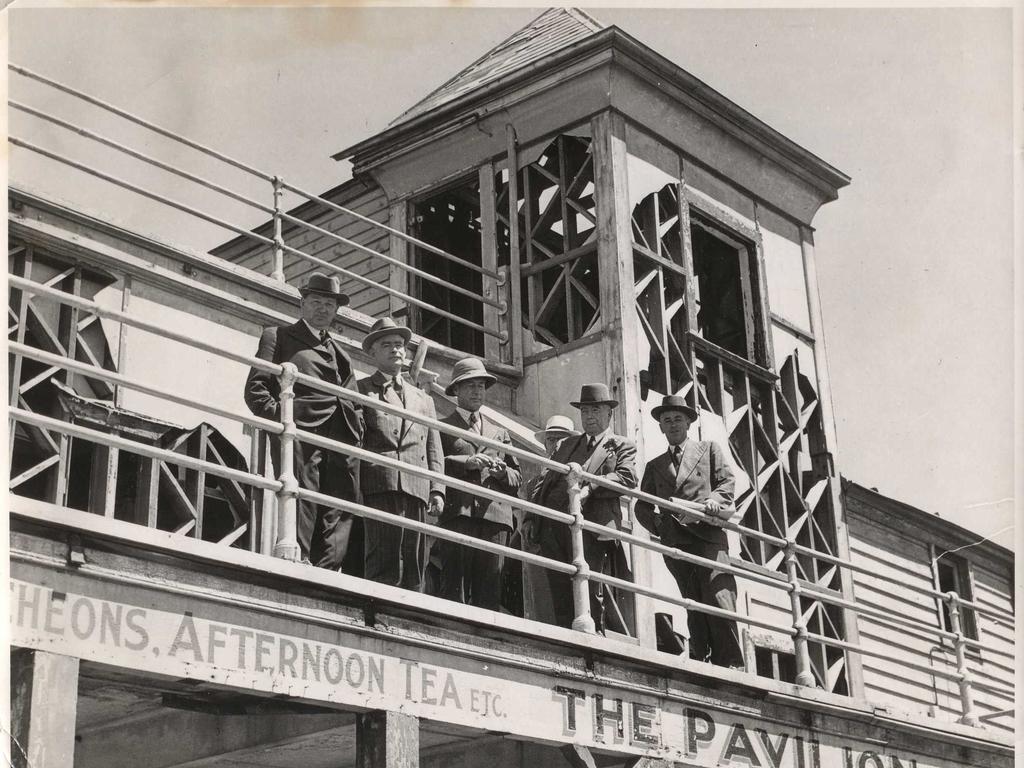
(599, 452)
(695, 470)
(323, 532)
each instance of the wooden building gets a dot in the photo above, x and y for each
(571, 207)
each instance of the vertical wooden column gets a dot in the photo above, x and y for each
(493, 348)
(618, 309)
(515, 309)
(387, 739)
(398, 248)
(855, 674)
(44, 700)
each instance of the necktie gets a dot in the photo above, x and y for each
(324, 336)
(677, 456)
(474, 421)
(591, 444)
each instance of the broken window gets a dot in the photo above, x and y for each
(450, 220)
(726, 290)
(557, 241)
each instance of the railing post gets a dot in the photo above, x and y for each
(583, 621)
(287, 546)
(278, 273)
(804, 675)
(969, 716)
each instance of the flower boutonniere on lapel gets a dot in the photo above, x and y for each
(610, 444)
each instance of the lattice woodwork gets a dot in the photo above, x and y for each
(773, 422)
(557, 241)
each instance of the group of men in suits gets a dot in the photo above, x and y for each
(691, 470)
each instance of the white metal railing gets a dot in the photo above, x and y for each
(287, 491)
(275, 211)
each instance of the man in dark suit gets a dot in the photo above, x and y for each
(469, 575)
(598, 451)
(396, 555)
(695, 470)
(323, 532)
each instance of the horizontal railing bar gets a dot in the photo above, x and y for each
(398, 233)
(1008, 694)
(32, 287)
(138, 121)
(141, 156)
(94, 372)
(887, 656)
(412, 469)
(170, 457)
(39, 289)
(269, 210)
(990, 612)
(763, 375)
(392, 261)
(690, 605)
(994, 715)
(247, 233)
(237, 163)
(434, 531)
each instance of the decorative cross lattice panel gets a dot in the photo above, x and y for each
(773, 423)
(557, 241)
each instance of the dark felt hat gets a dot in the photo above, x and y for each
(326, 285)
(469, 368)
(674, 403)
(595, 394)
(386, 326)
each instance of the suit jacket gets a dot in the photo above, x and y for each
(400, 439)
(703, 474)
(614, 458)
(457, 451)
(324, 360)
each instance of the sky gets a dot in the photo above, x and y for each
(915, 259)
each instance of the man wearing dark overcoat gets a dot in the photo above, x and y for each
(598, 451)
(323, 532)
(396, 555)
(695, 470)
(468, 575)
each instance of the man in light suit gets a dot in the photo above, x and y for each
(695, 470)
(473, 576)
(598, 451)
(323, 532)
(396, 555)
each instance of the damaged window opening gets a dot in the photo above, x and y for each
(726, 290)
(450, 220)
(952, 574)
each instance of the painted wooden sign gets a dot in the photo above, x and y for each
(367, 672)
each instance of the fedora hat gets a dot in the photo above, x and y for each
(594, 394)
(556, 426)
(464, 370)
(674, 403)
(326, 285)
(386, 326)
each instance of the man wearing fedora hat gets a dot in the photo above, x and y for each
(323, 532)
(468, 575)
(396, 555)
(695, 470)
(598, 451)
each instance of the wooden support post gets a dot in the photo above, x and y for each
(854, 670)
(103, 483)
(387, 739)
(515, 309)
(122, 341)
(44, 700)
(622, 331)
(398, 248)
(494, 348)
(148, 491)
(578, 756)
(195, 482)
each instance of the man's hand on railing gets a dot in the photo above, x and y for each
(436, 504)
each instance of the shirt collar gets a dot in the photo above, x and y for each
(599, 438)
(312, 330)
(380, 378)
(466, 414)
